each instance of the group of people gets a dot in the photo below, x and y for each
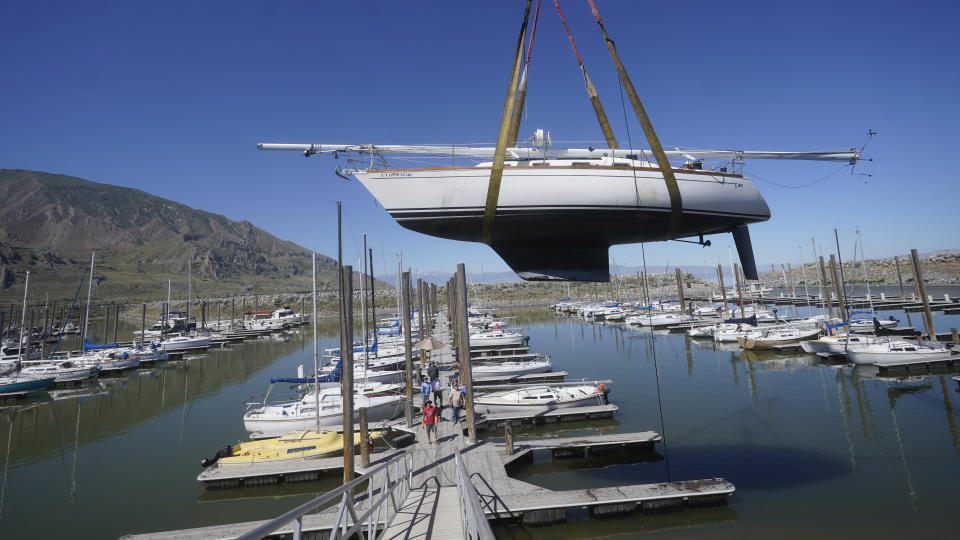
(431, 386)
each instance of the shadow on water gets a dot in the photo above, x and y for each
(747, 466)
(580, 525)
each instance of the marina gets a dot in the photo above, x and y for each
(169, 370)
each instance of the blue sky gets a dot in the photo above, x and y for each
(172, 97)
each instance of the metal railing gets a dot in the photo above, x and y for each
(390, 495)
(475, 525)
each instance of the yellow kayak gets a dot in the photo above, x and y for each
(294, 445)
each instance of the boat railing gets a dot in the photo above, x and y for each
(475, 525)
(388, 485)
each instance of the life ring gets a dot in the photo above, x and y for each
(600, 388)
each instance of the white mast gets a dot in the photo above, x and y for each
(866, 278)
(806, 292)
(166, 315)
(23, 320)
(189, 291)
(316, 352)
(86, 321)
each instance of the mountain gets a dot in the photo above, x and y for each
(49, 224)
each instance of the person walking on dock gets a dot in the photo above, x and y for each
(425, 389)
(438, 393)
(430, 421)
(456, 400)
(433, 371)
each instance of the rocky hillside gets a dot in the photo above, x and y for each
(49, 224)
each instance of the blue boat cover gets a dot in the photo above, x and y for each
(87, 346)
(751, 320)
(334, 376)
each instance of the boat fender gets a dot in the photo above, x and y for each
(223, 452)
(404, 440)
(600, 388)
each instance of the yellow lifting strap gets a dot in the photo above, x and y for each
(522, 89)
(496, 173)
(676, 204)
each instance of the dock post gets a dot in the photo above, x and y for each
(922, 292)
(143, 324)
(826, 287)
(723, 290)
(364, 438)
(793, 288)
(896, 260)
(420, 329)
(683, 303)
(956, 337)
(404, 318)
(233, 313)
(463, 350)
(346, 357)
(106, 324)
(837, 288)
(736, 276)
(508, 437)
(116, 321)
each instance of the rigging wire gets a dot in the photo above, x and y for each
(815, 182)
(656, 369)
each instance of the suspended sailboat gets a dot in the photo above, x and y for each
(553, 213)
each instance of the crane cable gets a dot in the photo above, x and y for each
(591, 90)
(522, 90)
(676, 202)
(496, 172)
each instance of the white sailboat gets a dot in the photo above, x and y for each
(535, 398)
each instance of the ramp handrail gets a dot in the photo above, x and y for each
(475, 525)
(391, 492)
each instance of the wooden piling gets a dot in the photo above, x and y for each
(922, 292)
(826, 287)
(841, 309)
(143, 324)
(723, 290)
(364, 438)
(736, 275)
(903, 295)
(404, 318)
(116, 321)
(508, 437)
(956, 337)
(463, 352)
(683, 303)
(346, 356)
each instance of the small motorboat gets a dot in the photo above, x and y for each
(62, 371)
(660, 319)
(897, 352)
(272, 420)
(185, 343)
(496, 370)
(836, 345)
(15, 384)
(541, 397)
(291, 446)
(776, 337)
(496, 337)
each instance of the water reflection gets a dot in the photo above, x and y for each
(765, 420)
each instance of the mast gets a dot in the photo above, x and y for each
(189, 291)
(806, 292)
(23, 321)
(166, 313)
(373, 302)
(316, 351)
(866, 278)
(86, 321)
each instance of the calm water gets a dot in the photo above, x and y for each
(813, 447)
